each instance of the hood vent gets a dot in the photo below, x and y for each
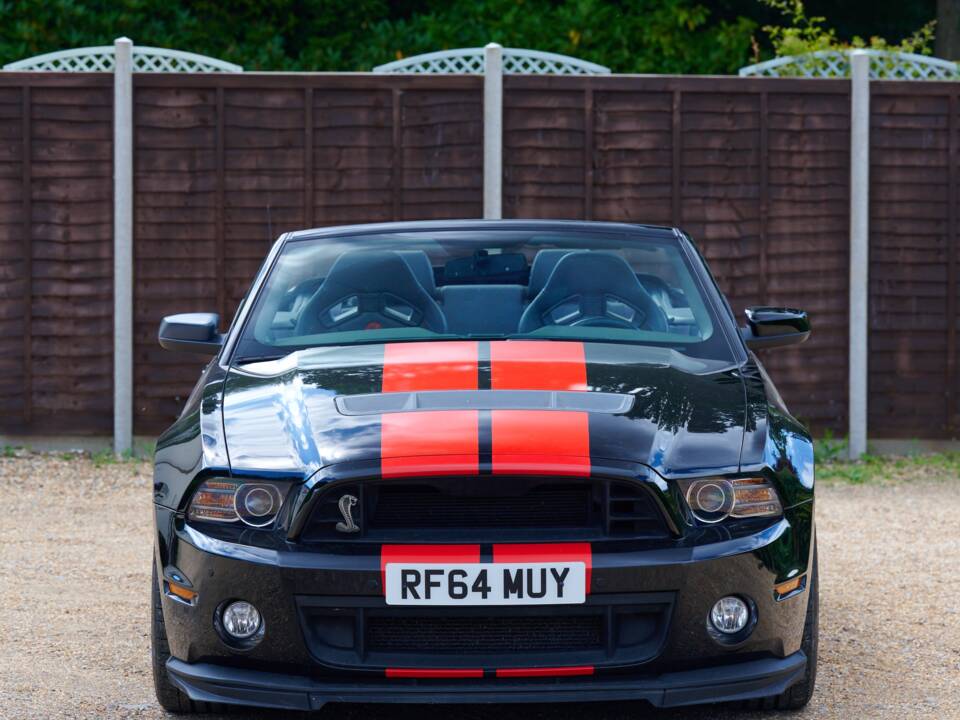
(379, 403)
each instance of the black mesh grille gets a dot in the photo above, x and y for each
(428, 507)
(484, 634)
(488, 508)
(618, 628)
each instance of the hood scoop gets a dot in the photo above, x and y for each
(570, 400)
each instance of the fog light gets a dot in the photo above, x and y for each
(730, 615)
(241, 620)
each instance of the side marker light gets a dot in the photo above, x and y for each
(790, 587)
(181, 591)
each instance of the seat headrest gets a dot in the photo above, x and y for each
(596, 272)
(372, 271)
(419, 263)
(543, 264)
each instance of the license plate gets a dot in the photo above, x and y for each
(558, 583)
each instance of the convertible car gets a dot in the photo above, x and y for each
(484, 461)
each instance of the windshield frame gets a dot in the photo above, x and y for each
(700, 274)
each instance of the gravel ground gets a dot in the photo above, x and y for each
(75, 569)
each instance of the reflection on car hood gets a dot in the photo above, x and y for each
(485, 406)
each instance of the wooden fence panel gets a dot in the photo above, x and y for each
(175, 238)
(544, 153)
(15, 258)
(806, 249)
(441, 144)
(56, 294)
(757, 170)
(353, 172)
(913, 283)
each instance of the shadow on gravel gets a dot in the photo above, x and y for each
(560, 711)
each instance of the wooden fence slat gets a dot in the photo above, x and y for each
(951, 364)
(27, 200)
(588, 160)
(676, 208)
(308, 157)
(396, 173)
(764, 196)
(219, 238)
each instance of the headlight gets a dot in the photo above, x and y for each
(227, 500)
(714, 499)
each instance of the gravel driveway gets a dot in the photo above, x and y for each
(75, 569)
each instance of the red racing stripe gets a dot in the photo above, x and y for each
(537, 365)
(430, 443)
(547, 552)
(433, 673)
(540, 442)
(435, 442)
(425, 554)
(545, 672)
(408, 367)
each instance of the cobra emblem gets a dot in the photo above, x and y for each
(346, 509)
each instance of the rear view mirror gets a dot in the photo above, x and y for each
(192, 333)
(770, 327)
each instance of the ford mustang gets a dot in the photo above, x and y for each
(484, 461)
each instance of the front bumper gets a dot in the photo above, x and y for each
(288, 670)
(740, 681)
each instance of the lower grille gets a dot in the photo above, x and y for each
(364, 633)
(484, 634)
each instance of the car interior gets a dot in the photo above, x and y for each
(488, 293)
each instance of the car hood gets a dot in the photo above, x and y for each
(543, 407)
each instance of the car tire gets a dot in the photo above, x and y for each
(170, 697)
(798, 695)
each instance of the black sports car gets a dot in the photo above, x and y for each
(511, 461)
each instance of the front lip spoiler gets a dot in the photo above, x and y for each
(740, 681)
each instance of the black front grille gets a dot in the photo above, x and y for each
(484, 634)
(488, 508)
(543, 506)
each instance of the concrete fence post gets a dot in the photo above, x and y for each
(859, 248)
(123, 245)
(493, 132)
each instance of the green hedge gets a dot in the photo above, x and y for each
(641, 36)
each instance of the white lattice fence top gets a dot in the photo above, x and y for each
(884, 65)
(469, 61)
(145, 59)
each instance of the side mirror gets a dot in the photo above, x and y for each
(192, 333)
(770, 327)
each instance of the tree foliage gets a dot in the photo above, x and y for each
(629, 36)
(643, 36)
(804, 33)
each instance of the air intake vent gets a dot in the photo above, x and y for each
(472, 635)
(632, 512)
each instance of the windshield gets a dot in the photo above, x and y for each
(550, 284)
